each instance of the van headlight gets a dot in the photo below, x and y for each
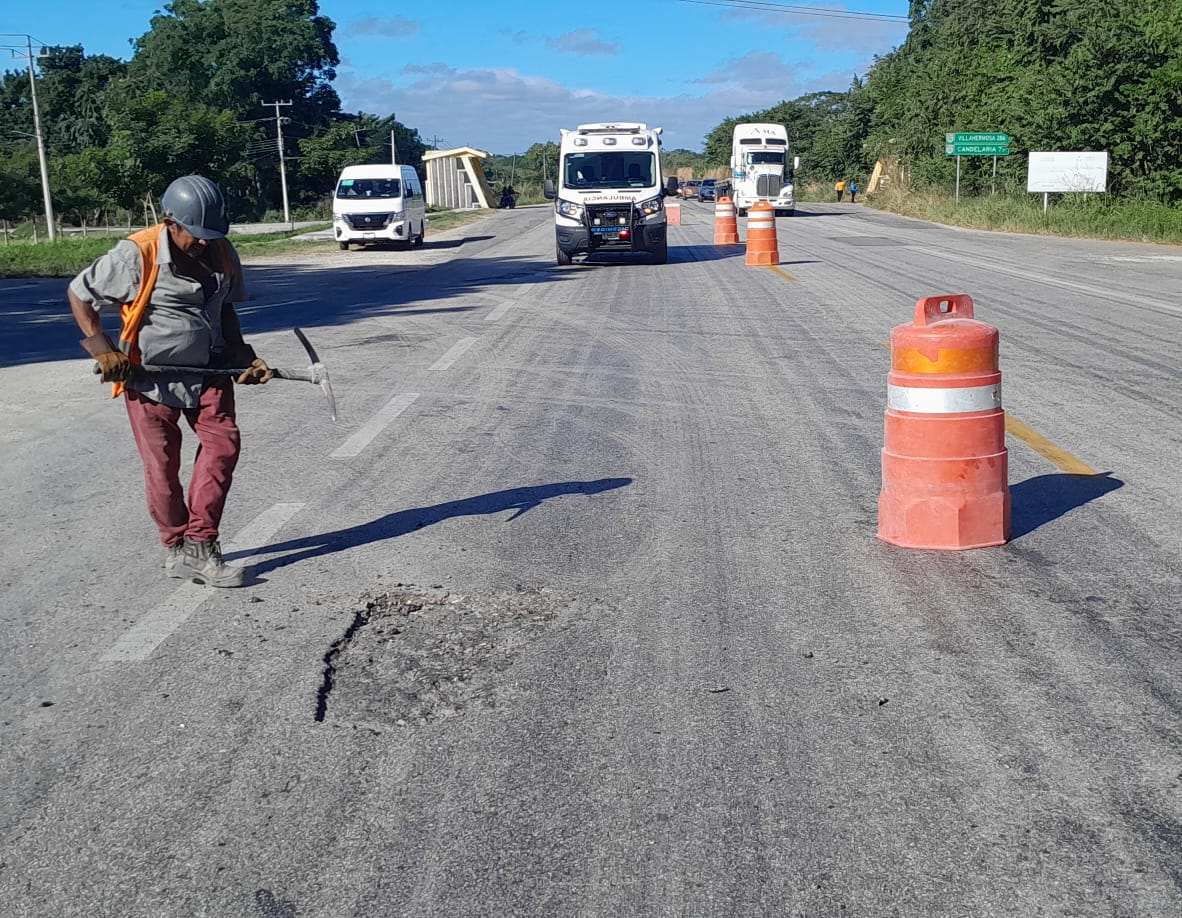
(570, 209)
(650, 207)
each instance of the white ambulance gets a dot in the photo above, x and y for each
(610, 194)
(379, 203)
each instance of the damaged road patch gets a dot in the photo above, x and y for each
(414, 656)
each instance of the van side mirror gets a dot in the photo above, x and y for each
(548, 190)
(671, 186)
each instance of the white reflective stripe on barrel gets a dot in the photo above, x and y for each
(943, 401)
(760, 222)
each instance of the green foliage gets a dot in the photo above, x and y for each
(239, 54)
(1054, 74)
(525, 172)
(351, 141)
(20, 183)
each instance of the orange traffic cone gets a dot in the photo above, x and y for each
(762, 248)
(726, 224)
(944, 462)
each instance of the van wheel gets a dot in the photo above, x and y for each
(344, 246)
(418, 241)
(660, 252)
(563, 258)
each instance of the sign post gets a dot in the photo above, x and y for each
(989, 143)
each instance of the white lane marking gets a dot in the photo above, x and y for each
(1049, 281)
(500, 311)
(454, 353)
(255, 305)
(1141, 259)
(374, 426)
(155, 627)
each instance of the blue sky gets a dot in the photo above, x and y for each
(502, 76)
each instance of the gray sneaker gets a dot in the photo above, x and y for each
(202, 562)
(173, 558)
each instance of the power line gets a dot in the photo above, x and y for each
(789, 8)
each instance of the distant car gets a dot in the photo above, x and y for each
(708, 190)
(690, 189)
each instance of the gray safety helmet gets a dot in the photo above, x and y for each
(196, 203)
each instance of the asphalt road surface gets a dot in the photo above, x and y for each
(578, 608)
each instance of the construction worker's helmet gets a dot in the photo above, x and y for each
(197, 205)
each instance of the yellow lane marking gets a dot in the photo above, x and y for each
(784, 274)
(1040, 444)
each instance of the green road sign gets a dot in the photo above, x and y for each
(987, 137)
(976, 149)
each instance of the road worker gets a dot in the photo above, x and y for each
(175, 285)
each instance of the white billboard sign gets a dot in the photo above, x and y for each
(1067, 172)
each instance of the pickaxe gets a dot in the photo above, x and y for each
(317, 373)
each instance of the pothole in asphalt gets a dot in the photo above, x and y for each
(417, 656)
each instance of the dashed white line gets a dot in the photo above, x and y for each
(453, 354)
(500, 311)
(155, 627)
(356, 443)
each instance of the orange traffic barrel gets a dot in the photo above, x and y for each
(726, 224)
(762, 248)
(944, 462)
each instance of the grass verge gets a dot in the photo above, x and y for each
(66, 257)
(1091, 216)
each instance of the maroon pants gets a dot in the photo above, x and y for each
(157, 433)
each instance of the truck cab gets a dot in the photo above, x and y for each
(610, 191)
(761, 168)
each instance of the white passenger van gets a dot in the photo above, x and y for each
(382, 203)
(610, 192)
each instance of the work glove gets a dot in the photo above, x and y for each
(113, 364)
(256, 374)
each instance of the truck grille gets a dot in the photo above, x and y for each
(767, 186)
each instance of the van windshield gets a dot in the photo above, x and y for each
(765, 157)
(608, 169)
(369, 188)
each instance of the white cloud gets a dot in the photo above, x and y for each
(372, 27)
(827, 31)
(504, 111)
(757, 72)
(583, 41)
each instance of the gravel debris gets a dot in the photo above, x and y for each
(414, 657)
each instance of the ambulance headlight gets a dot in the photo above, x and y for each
(650, 207)
(570, 209)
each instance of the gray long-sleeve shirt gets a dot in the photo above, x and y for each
(182, 325)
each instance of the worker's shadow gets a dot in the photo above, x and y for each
(393, 525)
(1039, 500)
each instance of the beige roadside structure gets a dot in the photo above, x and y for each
(456, 180)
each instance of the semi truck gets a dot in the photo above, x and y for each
(762, 168)
(610, 193)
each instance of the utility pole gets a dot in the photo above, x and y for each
(49, 218)
(40, 147)
(282, 167)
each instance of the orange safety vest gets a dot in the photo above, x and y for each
(148, 242)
